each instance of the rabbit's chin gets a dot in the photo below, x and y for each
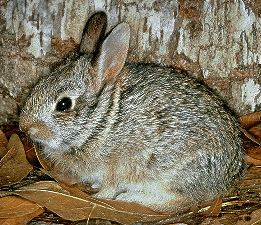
(49, 147)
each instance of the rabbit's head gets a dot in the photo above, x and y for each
(67, 106)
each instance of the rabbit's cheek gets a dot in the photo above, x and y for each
(64, 118)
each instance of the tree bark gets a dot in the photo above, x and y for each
(216, 41)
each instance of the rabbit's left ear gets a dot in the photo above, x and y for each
(93, 33)
(113, 53)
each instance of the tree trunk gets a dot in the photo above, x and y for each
(217, 41)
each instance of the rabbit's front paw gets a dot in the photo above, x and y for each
(109, 193)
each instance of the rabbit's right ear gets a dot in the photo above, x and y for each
(112, 54)
(93, 33)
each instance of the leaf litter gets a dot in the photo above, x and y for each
(76, 206)
(14, 165)
(16, 210)
(66, 198)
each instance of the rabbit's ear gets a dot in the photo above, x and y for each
(113, 53)
(93, 33)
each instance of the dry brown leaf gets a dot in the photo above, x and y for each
(3, 222)
(256, 132)
(250, 136)
(15, 141)
(254, 152)
(31, 156)
(14, 165)
(215, 208)
(11, 130)
(43, 161)
(79, 186)
(3, 151)
(65, 180)
(29, 150)
(78, 205)
(52, 196)
(256, 162)
(13, 221)
(253, 219)
(3, 140)
(250, 120)
(16, 210)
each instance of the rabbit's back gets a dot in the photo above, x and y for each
(185, 131)
(167, 102)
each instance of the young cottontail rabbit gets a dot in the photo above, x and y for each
(140, 133)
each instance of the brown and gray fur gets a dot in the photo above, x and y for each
(140, 133)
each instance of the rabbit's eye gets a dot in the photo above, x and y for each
(64, 104)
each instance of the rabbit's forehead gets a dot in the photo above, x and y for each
(64, 87)
(68, 80)
(53, 87)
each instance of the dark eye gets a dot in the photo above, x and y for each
(64, 104)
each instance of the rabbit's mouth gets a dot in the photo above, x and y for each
(49, 146)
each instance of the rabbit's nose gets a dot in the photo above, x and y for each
(37, 130)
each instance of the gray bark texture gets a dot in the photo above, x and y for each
(217, 41)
